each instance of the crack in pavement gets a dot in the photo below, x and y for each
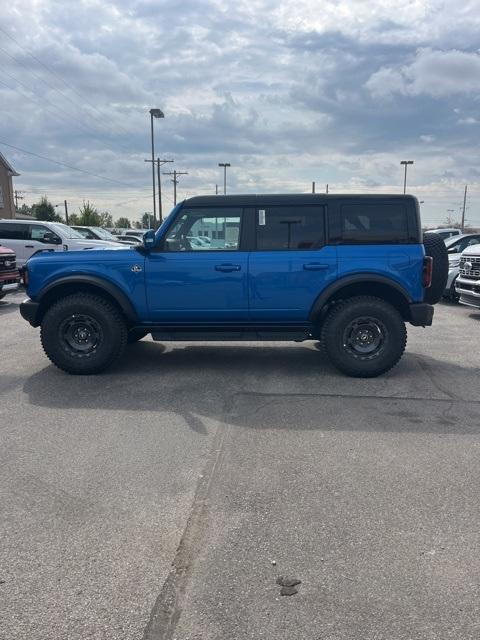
(168, 606)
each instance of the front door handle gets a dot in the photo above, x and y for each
(227, 268)
(29, 246)
(315, 266)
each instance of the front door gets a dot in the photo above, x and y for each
(40, 239)
(291, 265)
(199, 274)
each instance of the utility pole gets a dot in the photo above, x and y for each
(326, 189)
(224, 165)
(175, 173)
(159, 162)
(464, 205)
(313, 187)
(17, 198)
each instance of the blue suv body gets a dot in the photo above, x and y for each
(349, 270)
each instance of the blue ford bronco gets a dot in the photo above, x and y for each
(346, 270)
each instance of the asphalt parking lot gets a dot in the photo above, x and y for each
(164, 498)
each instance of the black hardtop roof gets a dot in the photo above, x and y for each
(289, 198)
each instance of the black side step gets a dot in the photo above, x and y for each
(165, 334)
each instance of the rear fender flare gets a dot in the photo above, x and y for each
(360, 278)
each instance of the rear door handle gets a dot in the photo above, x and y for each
(227, 267)
(29, 246)
(315, 266)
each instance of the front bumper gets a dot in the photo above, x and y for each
(469, 291)
(452, 274)
(29, 311)
(421, 314)
(9, 281)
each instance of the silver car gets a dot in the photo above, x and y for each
(455, 246)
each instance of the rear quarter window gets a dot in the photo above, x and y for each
(373, 223)
(13, 231)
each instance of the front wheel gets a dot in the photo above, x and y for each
(83, 333)
(364, 336)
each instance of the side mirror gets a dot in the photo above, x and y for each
(149, 239)
(51, 238)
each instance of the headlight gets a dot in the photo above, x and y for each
(455, 262)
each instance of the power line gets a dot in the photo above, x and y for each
(60, 113)
(64, 164)
(54, 73)
(43, 81)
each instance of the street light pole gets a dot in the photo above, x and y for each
(66, 210)
(154, 113)
(406, 163)
(224, 165)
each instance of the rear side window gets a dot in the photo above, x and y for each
(290, 228)
(13, 231)
(370, 223)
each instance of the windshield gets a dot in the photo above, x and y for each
(104, 234)
(449, 242)
(67, 232)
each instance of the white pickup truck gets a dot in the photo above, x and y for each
(468, 281)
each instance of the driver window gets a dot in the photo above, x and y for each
(212, 229)
(38, 233)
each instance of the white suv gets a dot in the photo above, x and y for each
(27, 237)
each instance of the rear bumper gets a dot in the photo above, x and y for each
(29, 311)
(421, 314)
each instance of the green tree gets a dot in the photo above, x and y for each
(106, 219)
(89, 216)
(147, 221)
(123, 223)
(73, 219)
(44, 210)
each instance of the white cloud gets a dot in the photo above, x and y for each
(433, 73)
(275, 88)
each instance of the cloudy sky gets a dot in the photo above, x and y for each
(336, 91)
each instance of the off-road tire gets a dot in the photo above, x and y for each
(435, 247)
(111, 332)
(392, 335)
(134, 335)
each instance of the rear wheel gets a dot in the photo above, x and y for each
(364, 336)
(83, 333)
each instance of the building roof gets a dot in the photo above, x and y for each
(9, 167)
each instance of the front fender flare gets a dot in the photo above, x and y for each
(112, 289)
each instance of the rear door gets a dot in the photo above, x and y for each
(193, 281)
(291, 264)
(14, 236)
